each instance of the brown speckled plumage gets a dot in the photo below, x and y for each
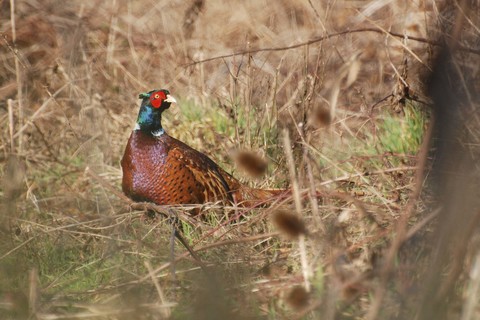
(167, 171)
(164, 170)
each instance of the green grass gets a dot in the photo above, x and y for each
(215, 117)
(403, 134)
(391, 141)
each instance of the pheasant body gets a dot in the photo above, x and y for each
(164, 170)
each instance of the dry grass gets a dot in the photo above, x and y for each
(329, 94)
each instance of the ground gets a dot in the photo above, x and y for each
(331, 96)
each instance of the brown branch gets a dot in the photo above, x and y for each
(333, 35)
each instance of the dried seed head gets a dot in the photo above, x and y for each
(298, 298)
(321, 117)
(289, 223)
(253, 164)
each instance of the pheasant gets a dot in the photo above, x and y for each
(163, 170)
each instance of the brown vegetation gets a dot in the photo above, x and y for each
(333, 98)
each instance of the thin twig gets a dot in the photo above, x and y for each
(17, 247)
(17, 72)
(291, 169)
(413, 230)
(166, 312)
(333, 35)
(298, 206)
(12, 50)
(213, 245)
(357, 175)
(11, 125)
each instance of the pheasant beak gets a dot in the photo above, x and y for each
(170, 99)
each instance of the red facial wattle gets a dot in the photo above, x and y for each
(157, 98)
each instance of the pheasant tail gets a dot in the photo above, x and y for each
(248, 197)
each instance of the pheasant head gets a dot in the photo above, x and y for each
(150, 115)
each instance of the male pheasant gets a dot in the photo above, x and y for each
(161, 169)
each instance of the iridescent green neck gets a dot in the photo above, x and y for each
(150, 120)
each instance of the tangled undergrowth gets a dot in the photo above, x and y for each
(327, 99)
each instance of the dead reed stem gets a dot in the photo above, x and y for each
(166, 312)
(11, 125)
(33, 292)
(298, 206)
(292, 171)
(17, 73)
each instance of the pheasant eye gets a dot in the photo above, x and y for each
(156, 99)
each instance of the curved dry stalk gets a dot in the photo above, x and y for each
(333, 35)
